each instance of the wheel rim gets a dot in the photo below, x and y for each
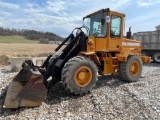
(134, 68)
(83, 76)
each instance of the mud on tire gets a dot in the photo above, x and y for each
(79, 75)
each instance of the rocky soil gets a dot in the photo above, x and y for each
(110, 99)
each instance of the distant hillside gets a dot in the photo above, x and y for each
(15, 39)
(30, 34)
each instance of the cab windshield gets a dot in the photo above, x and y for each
(97, 25)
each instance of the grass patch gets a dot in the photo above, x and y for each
(15, 39)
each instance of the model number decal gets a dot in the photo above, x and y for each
(130, 44)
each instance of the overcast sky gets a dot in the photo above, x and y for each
(61, 16)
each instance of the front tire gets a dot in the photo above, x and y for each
(79, 75)
(131, 70)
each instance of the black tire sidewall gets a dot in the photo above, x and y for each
(71, 82)
(155, 57)
(129, 77)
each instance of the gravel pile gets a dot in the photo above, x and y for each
(110, 99)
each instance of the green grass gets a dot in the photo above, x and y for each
(15, 39)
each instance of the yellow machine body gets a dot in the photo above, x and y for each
(113, 49)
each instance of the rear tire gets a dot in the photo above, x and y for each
(79, 75)
(145, 54)
(156, 57)
(131, 70)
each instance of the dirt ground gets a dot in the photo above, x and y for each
(23, 50)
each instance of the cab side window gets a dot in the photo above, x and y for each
(115, 26)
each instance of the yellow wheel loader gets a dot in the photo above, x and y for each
(100, 49)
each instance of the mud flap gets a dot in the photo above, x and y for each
(26, 89)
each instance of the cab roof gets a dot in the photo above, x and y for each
(103, 10)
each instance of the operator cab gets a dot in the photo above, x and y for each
(97, 23)
(106, 28)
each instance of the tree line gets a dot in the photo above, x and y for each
(30, 34)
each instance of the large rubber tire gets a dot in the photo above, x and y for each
(144, 54)
(79, 75)
(131, 70)
(156, 57)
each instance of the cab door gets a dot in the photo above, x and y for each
(116, 32)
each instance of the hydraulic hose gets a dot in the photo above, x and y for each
(69, 46)
(71, 36)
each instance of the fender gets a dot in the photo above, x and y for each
(125, 52)
(92, 56)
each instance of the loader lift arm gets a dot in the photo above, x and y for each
(68, 52)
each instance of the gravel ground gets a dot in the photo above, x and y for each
(110, 99)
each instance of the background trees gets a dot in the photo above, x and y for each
(31, 34)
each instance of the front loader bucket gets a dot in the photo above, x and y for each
(26, 89)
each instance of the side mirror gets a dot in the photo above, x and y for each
(84, 21)
(129, 33)
(107, 19)
(102, 21)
